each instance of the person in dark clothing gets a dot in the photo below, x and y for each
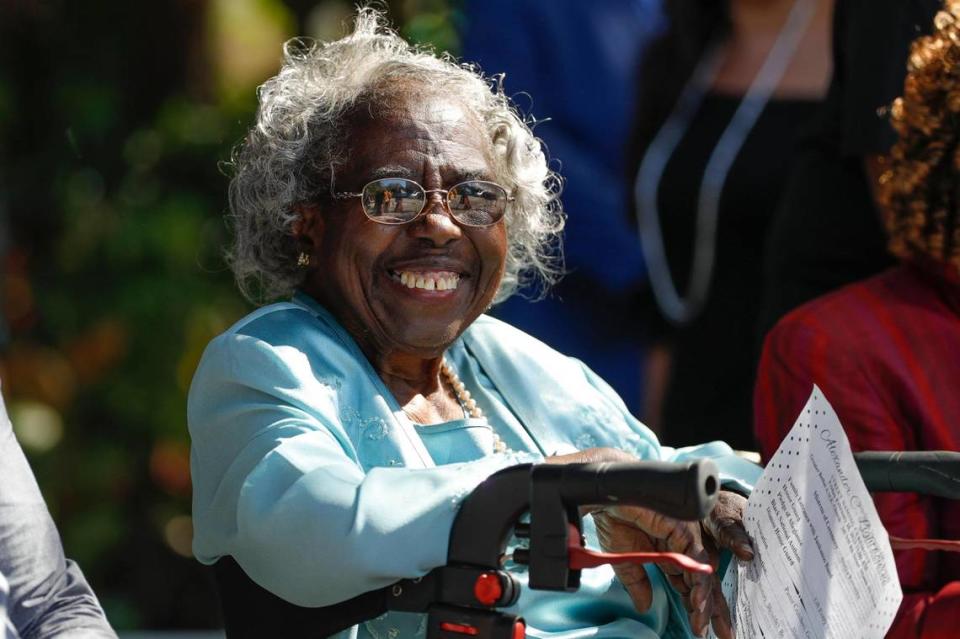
(572, 64)
(723, 96)
(886, 350)
(827, 231)
(46, 594)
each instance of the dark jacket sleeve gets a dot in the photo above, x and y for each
(48, 595)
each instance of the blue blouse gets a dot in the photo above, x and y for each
(308, 473)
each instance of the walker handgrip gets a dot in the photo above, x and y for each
(934, 473)
(684, 490)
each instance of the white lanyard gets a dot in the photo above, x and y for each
(661, 148)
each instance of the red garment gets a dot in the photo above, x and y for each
(886, 353)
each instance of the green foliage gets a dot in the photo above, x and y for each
(111, 140)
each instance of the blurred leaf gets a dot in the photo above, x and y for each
(434, 28)
(121, 612)
(7, 104)
(90, 110)
(94, 533)
(246, 36)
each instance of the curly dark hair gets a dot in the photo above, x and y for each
(920, 191)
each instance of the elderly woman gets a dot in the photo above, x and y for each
(396, 195)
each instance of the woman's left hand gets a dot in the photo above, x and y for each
(724, 525)
(634, 529)
(723, 529)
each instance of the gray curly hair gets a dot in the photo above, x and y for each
(290, 156)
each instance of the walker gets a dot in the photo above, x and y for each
(462, 598)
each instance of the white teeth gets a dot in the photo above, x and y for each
(429, 281)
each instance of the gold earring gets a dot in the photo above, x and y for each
(303, 260)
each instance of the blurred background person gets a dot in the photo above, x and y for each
(9, 632)
(573, 63)
(826, 231)
(42, 594)
(886, 350)
(724, 94)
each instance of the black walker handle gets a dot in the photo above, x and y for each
(934, 472)
(686, 490)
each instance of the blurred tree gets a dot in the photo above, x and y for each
(114, 120)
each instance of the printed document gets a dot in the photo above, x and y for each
(823, 564)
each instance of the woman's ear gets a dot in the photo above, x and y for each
(308, 230)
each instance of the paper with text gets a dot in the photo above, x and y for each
(823, 565)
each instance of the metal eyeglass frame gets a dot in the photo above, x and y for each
(423, 207)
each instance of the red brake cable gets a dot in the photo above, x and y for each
(899, 543)
(580, 557)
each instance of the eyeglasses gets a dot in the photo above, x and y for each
(399, 201)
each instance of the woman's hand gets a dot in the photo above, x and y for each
(723, 529)
(634, 529)
(724, 525)
(623, 529)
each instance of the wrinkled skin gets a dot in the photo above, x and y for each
(354, 261)
(633, 529)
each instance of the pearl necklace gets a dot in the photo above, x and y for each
(468, 403)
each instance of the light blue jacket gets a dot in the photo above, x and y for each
(307, 472)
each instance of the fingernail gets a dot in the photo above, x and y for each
(703, 629)
(745, 547)
(703, 605)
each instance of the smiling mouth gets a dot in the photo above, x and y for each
(428, 280)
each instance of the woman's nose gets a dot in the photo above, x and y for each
(436, 224)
